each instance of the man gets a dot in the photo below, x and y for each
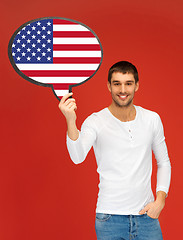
(123, 136)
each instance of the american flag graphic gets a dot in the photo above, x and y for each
(56, 51)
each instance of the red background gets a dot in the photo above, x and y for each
(43, 194)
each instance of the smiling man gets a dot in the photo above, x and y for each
(123, 136)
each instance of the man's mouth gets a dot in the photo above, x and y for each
(123, 96)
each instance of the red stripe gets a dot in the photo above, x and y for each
(62, 86)
(77, 47)
(73, 34)
(58, 73)
(62, 21)
(77, 60)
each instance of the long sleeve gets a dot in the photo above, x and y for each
(161, 154)
(79, 148)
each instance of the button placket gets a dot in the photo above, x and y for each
(130, 133)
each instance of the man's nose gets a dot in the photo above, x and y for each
(123, 88)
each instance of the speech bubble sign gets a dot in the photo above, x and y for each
(55, 52)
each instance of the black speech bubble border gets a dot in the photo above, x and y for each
(45, 84)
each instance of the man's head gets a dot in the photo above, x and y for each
(123, 82)
(123, 67)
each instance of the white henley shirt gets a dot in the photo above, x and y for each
(123, 152)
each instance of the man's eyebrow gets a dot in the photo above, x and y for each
(129, 81)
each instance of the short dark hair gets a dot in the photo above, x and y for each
(123, 67)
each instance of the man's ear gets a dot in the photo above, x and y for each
(137, 86)
(109, 86)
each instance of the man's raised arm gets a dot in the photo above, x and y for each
(68, 107)
(78, 142)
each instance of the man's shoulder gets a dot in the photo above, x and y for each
(98, 114)
(96, 118)
(94, 121)
(147, 113)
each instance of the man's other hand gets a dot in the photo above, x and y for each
(153, 209)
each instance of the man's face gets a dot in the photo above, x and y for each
(122, 88)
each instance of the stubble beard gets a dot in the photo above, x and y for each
(123, 105)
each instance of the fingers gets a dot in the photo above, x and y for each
(144, 209)
(69, 100)
(65, 100)
(73, 107)
(68, 107)
(65, 97)
(71, 104)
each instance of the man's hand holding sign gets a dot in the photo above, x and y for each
(68, 107)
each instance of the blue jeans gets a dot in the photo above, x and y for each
(127, 227)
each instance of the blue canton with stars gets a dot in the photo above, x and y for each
(34, 43)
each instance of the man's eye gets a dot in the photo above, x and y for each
(129, 84)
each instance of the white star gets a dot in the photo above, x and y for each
(23, 36)
(33, 28)
(33, 45)
(28, 32)
(13, 54)
(18, 49)
(28, 58)
(38, 32)
(19, 32)
(23, 28)
(28, 40)
(48, 32)
(43, 28)
(28, 49)
(18, 58)
(23, 45)
(48, 58)
(38, 58)
(38, 41)
(48, 49)
(38, 23)
(49, 41)
(18, 41)
(13, 45)
(39, 50)
(43, 54)
(48, 23)
(33, 54)
(43, 45)
(43, 36)
(33, 36)
(23, 54)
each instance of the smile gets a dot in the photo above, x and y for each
(123, 97)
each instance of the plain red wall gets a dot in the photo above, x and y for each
(43, 195)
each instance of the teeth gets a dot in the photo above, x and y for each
(123, 96)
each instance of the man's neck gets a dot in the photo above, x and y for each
(123, 113)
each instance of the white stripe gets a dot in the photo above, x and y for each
(75, 41)
(61, 92)
(60, 79)
(76, 53)
(69, 27)
(57, 66)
